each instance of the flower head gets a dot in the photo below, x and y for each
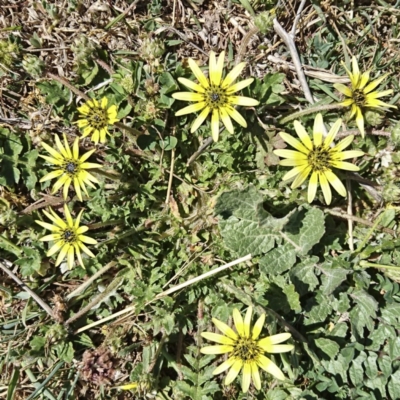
(245, 350)
(68, 237)
(69, 167)
(360, 95)
(318, 158)
(97, 118)
(215, 95)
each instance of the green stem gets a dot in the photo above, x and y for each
(11, 244)
(366, 264)
(131, 132)
(307, 111)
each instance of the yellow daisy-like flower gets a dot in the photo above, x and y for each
(245, 350)
(97, 118)
(70, 168)
(68, 237)
(318, 158)
(215, 95)
(360, 95)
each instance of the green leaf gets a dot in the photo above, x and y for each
(168, 83)
(278, 260)
(37, 343)
(356, 371)
(311, 228)
(292, 297)
(305, 272)
(65, 351)
(276, 394)
(371, 368)
(328, 346)
(364, 312)
(168, 143)
(394, 385)
(331, 277)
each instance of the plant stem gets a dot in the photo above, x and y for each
(366, 264)
(307, 111)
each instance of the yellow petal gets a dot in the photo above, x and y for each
(347, 103)
(363, 80)
(188, 96)
(378, 104)
(64, 178)
(356, 73)
(343, 89)
(191, 85)
(345, 155)
(295, 155)
(243, 101)
(68, 216)
(247, 322)
(326, 189)
(55, 218)
(332, 133)
(345, 165)
(191, 109)
(236, 116)
(52, 175)
(225, 329)
(104, 102)
(294, 142)
(66, 187)
(215, 124)
(52, 237)
(239, 324)
(312, 187)
(78, 255)
(239, 86)
(226, 120)
(96, 136)
(77, 189)
(336, 183)
(258, 327)
(77, 222)
(215, 337)
(216, 68)
(63, 252)
(318, 131)
(52, 160)
(343, 144)
(267, 365)
(70, 257)
(224, 366)
(48, 226)
(280, 337)
(198, 73)
(246, 377)
(301, 177)
(55, 248)
(233, 372)
(75, 149)
(86, 155)
(230, 78)
(200, 119)
(294, 172)
(303, 135)
(255, 375)
(360, 121)
(374, 84)
(53, 152)
(87, 239)
(291, 163)
(85, 249)
(66, 146)
(61, 147)
(220, 349)
(281, 348)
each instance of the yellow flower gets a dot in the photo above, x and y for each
(70, 168)
(215, 95)
(245, 350)
(68, 237)
(96, 119)
(360, 95)
(318, 158)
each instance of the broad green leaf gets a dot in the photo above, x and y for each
(331, 278)
(356, 370)
(310, 227)
(305, 272)
(394, 385)
(328, 346)
(364, 312)
(371, 368)
(278, 260)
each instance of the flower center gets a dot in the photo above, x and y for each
(68, 235)
(320, 159)
(71, 167)
(98, 118)
(359, 97)
(215, 97)
(246, 349)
